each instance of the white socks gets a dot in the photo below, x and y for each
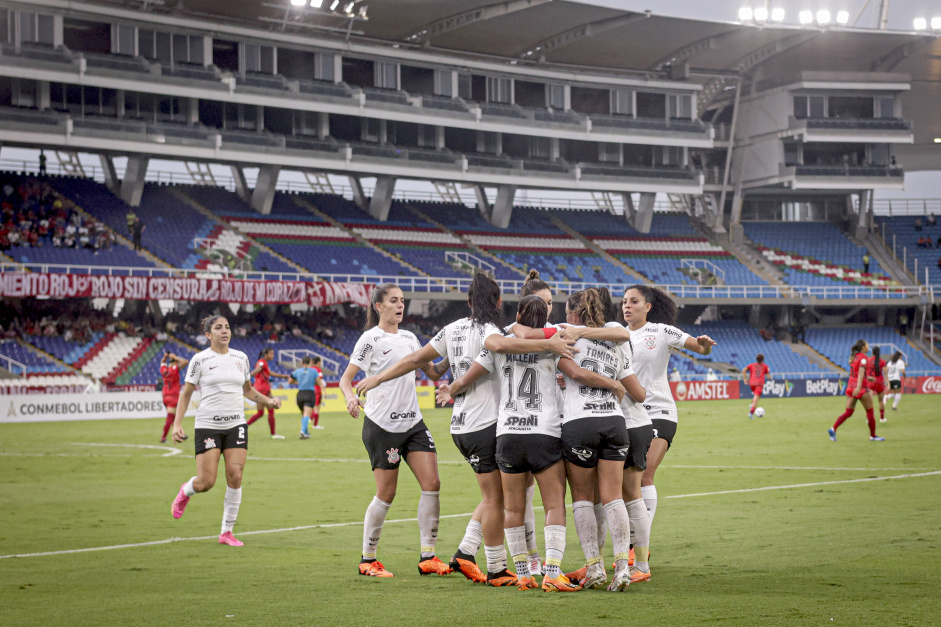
(620, 528)
(640, 532)
(429, 511)
(529, 522)
(555, 549)
(516, 540)
(898, 399)
(587, 528)
(496, 557)
(188, 488)
(602, 527)
(372, 526)
(473, 537)
(649, 494)
(230, 508)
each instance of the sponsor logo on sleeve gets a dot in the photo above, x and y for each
(362, 353)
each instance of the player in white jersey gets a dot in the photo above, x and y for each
(473, 421)
(894, 371)
(222, 374)
(393, 430)
(650, 314)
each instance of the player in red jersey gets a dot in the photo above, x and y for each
(263, 374)
(756, 373)
(856, 390)
(318, 392)
(875, 379)
(170, 367)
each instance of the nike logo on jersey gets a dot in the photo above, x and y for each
(213, 367)
(387, 352)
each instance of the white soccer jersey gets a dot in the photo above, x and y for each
(220, 377)
(529, 401)
(605, 358)
(650, 345)
(461, 342)
(634, 413)
(895, 370)
(392, 405)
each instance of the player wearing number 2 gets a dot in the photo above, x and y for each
(222, 374)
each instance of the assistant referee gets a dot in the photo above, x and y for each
(306, 377)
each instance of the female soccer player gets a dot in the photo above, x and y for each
(318, 393)
(895, 370)
(875, 379)
(595, 441)
(650, 315)
(222, 374)
(170, 373)
(755, 374)
(308, 381)
(474, 418)
(263, 374)
(856, 391)
(393, 429)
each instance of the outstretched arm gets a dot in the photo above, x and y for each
(409, 363)
(702, 344)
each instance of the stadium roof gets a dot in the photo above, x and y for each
(569, 34)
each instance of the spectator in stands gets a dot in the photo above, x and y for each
(94, 387)
(866, 262)
(131, 218)
(917, 224)
(711, 375)
(932, 221)
(137, 231)
(939, 258)
(42, 163)
(675, 376)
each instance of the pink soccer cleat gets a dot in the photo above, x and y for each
(228, 538)
(179, 503)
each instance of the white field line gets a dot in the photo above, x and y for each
(171, 451)
(401, 520)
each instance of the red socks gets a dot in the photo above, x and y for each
(871, 419)
(840, 420)
(167, 425)
(882, 413)
(258, 414)
(316, 417)
(270, 419)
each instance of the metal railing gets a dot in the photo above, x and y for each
(906, 206)
(11, 364)
(892, 348)
(696, 264)
(463, 258)
(294, 356)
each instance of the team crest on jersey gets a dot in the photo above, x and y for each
(623, 451)
(393, 454)
(473, 460)
(583, 454)
(650, 342)
(209, 443)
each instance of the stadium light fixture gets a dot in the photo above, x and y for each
(842, 17)
(936, 23)
(777, 14)
(334, 5)
(920, 23)
(316, 4)
(823, 17)
(745, 14)
(761, 15)
(806, 17)
(298, 3)
(937, 140)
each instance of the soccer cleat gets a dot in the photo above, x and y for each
(876, 438)
(577, 575)
(179, 503)
(595, 578)
(467, 566)
(621, 581)
(433, 566)
(317, 427)
(277, 437)
(559, 584)
(305, 436)
(526, 583)
(751, 416)
(228, 538)
(502, 578)
(832, 433)
(535, 566)
(638, 575)
(882, 420)
(373, 569)
(164, 440)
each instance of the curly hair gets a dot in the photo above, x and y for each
(588, 306)
(662, 308)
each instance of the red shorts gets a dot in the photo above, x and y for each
(877, 387)
(757, 389)
(851, 391)
(171, 401)
(317, 396)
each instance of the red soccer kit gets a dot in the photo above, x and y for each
(317, 391)
(878, 385)
(756, 377)
(859, 360)
(263, 378)
(171, 384)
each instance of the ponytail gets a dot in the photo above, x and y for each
(533, 312)
(587, 305)
(896, 356)
(483, 297)
(607, 303)
(662, 308)
(377, 296)
(858, 346)
(876, 355)
(533, 284)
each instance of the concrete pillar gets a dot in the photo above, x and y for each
(119, 103)
(439, 138)
(382, 198)
(132, 187)
(629, 210)
(192, 111)
(241, 186)
(111, 176)
(265, 188)
(42, 95)
(358, 196)
(862, 223)
(503, 206)
(323, 125)
(483, 205)
(644, 217)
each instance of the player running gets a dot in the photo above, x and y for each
(170, 367)
(222, 374)
(755, 374)
(309, 381)
(875, 379)
(895, 371)
(263, 374)
(856, 391)
(393, 430)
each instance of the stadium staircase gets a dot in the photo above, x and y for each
(598, 250)
(225, 226)
(471, 245)
(329, 351)
(67, 203)
(352, 233)
(815, 357)
(14, 262)
(892, 266)
(748, 256)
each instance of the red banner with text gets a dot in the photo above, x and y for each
(314, 294)
(928, 385)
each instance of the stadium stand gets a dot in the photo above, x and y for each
(835, 343)
(928, 255)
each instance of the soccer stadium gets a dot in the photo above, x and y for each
(695, 239)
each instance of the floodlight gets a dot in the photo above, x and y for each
(842, 17)
(936, 23)
(806, 17)
(316, 3)
(349, 8)
(761, 14)
(777, 14)
(823, 17)
(745, 14)
(298, 3)
(334, 5)
(920, 23)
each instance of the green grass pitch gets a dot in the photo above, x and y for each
(762, 522)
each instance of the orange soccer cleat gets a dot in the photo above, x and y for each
(465, 564)
(559, 584)
(373, 569)
(433, 566)
(502, 578)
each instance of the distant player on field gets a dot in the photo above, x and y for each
(755, 374)
(170, 367)
(856, 391)
(308, 382)
(263, 374)
(875, 379)
(894, 371)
